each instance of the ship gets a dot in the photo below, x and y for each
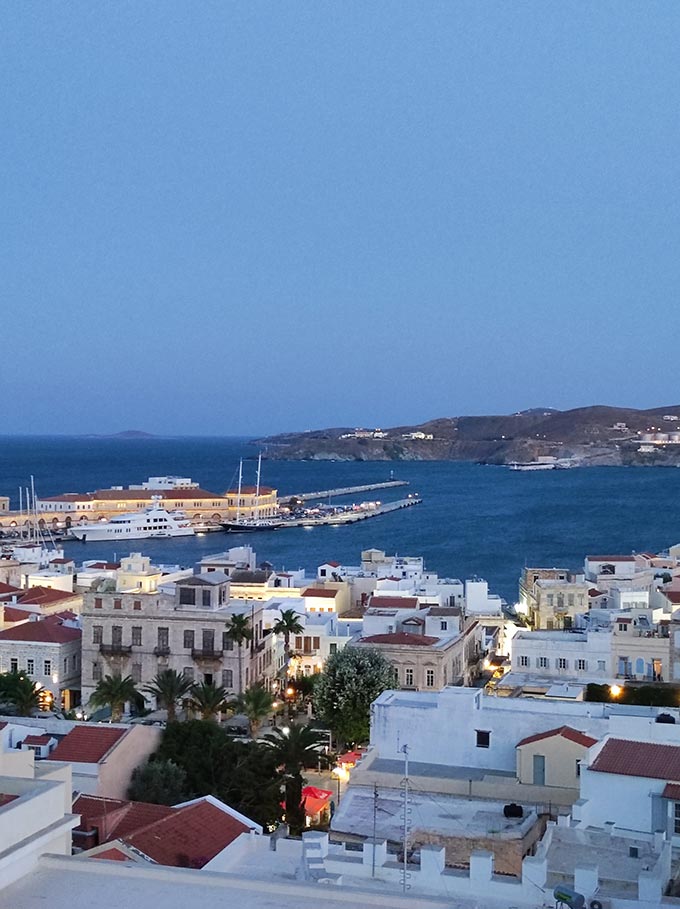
(152, 523)
(251, 524)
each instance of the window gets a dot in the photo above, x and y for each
(483, 738)
(65, 666)
(623, 626)
(137, 605)
(227, 643)
(429, 678)
(543, 663)
(188, 639)
(562, 663)
(97, 602)
(408, 678)
(47, 667)
(298, 643)
(676, 818)
(186, 596)
(578, 768)
(206, 597)
(228, 678)
(188, 673)
(332, 648)
(163, 638)
(117, 604)
(14, 665)
(443, 625)
(96, 672)
(97, 634)
(523, 661)
(136, 635)
(117, 635)
(582, 665)
(30, 666)
(600, 666)
(316, 643)
(136, 672)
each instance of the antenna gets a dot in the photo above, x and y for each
(257, 486)
(240, 481)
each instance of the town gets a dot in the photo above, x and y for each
(372, 729)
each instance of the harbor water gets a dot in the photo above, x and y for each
(474, 520)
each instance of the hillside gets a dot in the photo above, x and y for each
(595, 435)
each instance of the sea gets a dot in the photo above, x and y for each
(474, 520)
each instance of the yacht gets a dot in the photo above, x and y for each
(151, 523)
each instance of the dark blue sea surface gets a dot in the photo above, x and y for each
(474, 520)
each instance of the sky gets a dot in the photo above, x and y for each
(235, 218)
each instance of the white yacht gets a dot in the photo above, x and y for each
(136, 525)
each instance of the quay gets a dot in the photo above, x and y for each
(351, 517)
(344, 491)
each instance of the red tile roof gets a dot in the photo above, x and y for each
(115, 818)
(250, 491)
(40, 596)
(189, 837)
(671, 791)
(673, 596)
(87, 744)
(8, 588)
(109, 566)
(38, 739)
(134, 495)
(12, 614)
(319, 592)
(5, 799)
(646, 759)
(401, 638)
(387, 602)
(566, 732)
(42, 631)
(593, 592)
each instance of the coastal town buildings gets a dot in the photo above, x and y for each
(48, 651)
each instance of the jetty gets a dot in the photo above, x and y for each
(350, 517)
(343, 491)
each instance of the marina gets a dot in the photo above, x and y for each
(344, 491)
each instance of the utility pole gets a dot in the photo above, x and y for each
(375, 824)
(406, 828)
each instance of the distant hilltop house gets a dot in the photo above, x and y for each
(365, 434)
(418, 435)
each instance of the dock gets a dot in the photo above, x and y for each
(351, 517)
(343, 491)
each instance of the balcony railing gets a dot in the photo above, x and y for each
(115, 650)
(162, 650)
(206, 654)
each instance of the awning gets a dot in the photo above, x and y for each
(315, 799)
(350, 757)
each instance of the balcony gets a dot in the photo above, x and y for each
(115, 650)
(206, 655)
(163, 650)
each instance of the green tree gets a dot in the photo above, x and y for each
(352, 679)
(169, 687)
(288, 624)
(256, 703)
(209, 700)
(295, 748)
(240, 632)
(18, 691)
(159, 782)
(115, 691)
(245, 776)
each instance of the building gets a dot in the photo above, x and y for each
(251, 503)
(49, 651)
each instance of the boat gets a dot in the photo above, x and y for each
(152, 523)
(250, 525)
(544, 463)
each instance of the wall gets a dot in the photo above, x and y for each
(561, 757)
(131, 751)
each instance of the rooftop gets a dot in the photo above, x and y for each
(43, 632)
(565, 732)
(320, 592)
(645, 759)
(87, 743)
(401, 639)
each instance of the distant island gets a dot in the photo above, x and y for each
(125, 434)
(586, 436)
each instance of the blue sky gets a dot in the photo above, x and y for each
(249, 217)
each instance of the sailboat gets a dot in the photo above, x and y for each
(34, 548)
(250, 525)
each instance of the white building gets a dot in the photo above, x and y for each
(48, 651)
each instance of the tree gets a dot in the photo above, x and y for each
(18, 690)
(159, 782)
(239, 631)
(115, 691)
(256, 703)
(294, 748)
(209, 700)
(352, 679)
(245, 776)
(168, 687)
(288, 624)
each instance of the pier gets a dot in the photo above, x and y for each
(344, 491)
(351, 517)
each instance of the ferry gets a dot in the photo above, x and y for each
(153, 522)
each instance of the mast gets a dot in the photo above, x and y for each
(257, 487)
(406, 826)
(240, 482)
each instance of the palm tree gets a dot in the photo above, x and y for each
(288, 624)
(17, 689)
(168, 687)
(115, 691)
(256, 703)
(239, 631)
(295, 747)
(209, 700)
